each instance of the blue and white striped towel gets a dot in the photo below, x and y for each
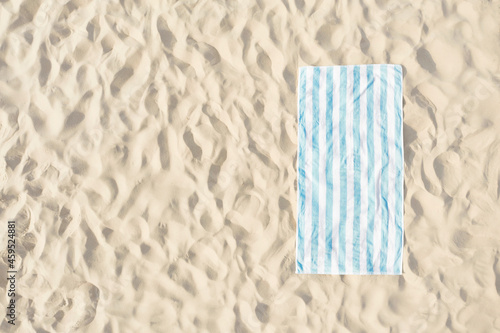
(350, 170)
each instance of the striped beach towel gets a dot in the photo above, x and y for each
(350, 170)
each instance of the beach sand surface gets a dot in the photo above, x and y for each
(149, 160)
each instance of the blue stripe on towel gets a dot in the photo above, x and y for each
(399, 160)
(301, 172)
(371, 163)
(329, 171)
(385, 169)
(342, 164)
(315, 171)
(356, 171)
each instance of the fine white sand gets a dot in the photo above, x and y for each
(149, 160)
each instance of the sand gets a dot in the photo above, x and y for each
(149, 161)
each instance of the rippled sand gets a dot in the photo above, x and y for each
(149, 159)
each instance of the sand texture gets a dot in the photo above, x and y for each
(149, 159)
